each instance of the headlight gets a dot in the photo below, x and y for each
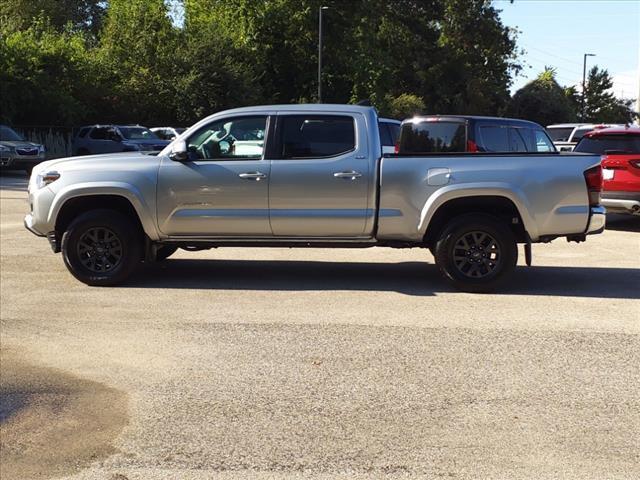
(41, 149)
(4, 148)
(45, 178)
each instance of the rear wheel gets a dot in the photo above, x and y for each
(476, 252)
(102, 247)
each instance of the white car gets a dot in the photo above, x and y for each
(565, 136)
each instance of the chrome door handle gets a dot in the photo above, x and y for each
(257, 176)
(352, 175)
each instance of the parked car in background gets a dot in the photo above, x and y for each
(17, 153)
(457, 133)
(96, 139)
(311, 176)
(620, 148)
(566, 136)
(389, 130)
(167, 133)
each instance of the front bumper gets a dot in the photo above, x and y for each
(597, 220)
(29, 225)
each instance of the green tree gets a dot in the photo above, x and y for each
(403, 106)
(542, 100)
(46, 77)
(137, 55)
(601, 105)
(82, 15)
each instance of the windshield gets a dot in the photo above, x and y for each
(137, 133)
(559, 134)
(609, 144)
(9, 135)
(579, 133)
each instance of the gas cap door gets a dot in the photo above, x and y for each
(438, 176)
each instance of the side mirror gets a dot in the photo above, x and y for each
(179, 152)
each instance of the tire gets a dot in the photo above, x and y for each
(164, 252)
(117, 254)
(476, 253)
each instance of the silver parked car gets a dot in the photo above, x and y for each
(17, 153)
(96, 139)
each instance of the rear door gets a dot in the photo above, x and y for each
(320, 176)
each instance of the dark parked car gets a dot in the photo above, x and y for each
(457, 133)
(16, 152)
(116, 138)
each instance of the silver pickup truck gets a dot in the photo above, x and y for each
(309, 176)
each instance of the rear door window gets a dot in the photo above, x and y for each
(385, 136)
(495, 138)
(433, 137)
(317, 136)
(99, 133)
(516, 140)
(394, 130)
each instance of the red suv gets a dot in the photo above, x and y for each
(620, 150)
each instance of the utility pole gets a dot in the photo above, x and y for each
(584, 78)
(320, 53)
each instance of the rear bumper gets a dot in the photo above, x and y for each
(597, 220)
(622, 202)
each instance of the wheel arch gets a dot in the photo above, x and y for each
(71, 203)
(489, 203)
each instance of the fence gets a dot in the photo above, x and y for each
(57, 140)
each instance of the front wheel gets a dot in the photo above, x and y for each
(102, 247)
(476, 252)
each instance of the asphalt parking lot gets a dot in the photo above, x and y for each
(311, 363)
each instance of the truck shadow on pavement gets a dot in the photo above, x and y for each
(409, 278)
(623, 223)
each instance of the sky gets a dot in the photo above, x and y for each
(558, 33)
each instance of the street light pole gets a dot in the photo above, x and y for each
(320, 53)
(584, 78)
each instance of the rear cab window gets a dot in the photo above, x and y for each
(609, 144)
(421, 137)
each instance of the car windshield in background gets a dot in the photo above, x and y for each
(433, 137)
(137, 133)
(609, 144)
(580, 133)
(560, 134)
(9, 135)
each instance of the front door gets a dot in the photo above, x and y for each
(223, 189)
(320, 176)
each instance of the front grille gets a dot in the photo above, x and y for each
(27, 151)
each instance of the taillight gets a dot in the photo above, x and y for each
(593, 177)
(396, 148)
(471, 146)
